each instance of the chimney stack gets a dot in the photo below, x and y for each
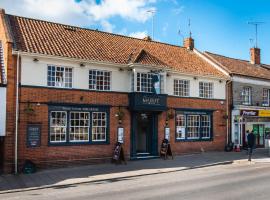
(189, 43)
(255, 56)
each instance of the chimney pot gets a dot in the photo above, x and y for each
(255, 56)
(189, 43)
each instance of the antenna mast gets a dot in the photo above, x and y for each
(256, 24)
(152, 11)
(189, 26)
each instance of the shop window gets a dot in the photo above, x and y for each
(58, 126)
(59, 76)
(181, 88)
(193, 125)
(206, 90)
(180, 126)
(99, 125)
(99, 80)
(246, 96)
(266, 97)
(205, 126)
(79, 127)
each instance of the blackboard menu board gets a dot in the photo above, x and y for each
(33, 135)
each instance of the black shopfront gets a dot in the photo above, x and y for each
(145, 109)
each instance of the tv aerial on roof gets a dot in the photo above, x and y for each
(256, 24)
(152, 12)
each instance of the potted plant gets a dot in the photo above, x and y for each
(120, 115)
(29, 110)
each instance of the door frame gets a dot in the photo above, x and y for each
(154, 142)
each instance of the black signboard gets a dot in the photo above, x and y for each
(147, 101)
(118, 154)
(249, 113)
(165, 149)
(33, 135)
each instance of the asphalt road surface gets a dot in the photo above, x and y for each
(236, 181)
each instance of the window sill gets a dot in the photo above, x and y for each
(194, 140)
(77, 143)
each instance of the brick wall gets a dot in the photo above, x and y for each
(48, 156)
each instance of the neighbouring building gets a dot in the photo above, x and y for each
(76, 87)
(249, 94)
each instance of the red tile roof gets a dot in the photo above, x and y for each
(240, 67)
(42, 37)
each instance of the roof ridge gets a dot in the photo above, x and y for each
(95, 30)
(234, 58)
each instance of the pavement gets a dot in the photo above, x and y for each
(58, 178)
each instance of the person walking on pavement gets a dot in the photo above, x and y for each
(251, 144)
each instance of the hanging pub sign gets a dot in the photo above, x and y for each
(33, 135)
(156, 83)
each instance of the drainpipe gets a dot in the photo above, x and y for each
(17, 115)
(228, 107)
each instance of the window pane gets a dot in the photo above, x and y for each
(58, 126)
(99, 126)
(99, 80)
(79, 126)
(59, 76)
(206, 90)
(181, 88)
(193, 126)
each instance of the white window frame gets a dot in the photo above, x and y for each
(205, 126)
(181, 123)
(147, 80)
(206, 89)
(95, 80)
(99, 127)
(79, 127)
(193, 126)
(181, 87)
(246, 96)
(65, 83)
(64, 127)
(266, 97)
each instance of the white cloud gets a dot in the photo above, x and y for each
(82, 13)
(139, 34)
(178, 10)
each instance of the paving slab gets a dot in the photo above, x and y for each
(110, 172)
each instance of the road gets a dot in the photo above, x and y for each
(236, 181)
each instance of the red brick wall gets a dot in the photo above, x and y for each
(50, 155)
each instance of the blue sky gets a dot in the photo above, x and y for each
(217, 26)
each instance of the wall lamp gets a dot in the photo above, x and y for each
(35, 60)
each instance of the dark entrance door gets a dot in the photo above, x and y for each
(144, 133)
(144, 130)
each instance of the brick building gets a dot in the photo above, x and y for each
(71, 89)
(248, 97)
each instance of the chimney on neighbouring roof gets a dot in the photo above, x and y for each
(2, 11)
(189, 43)
(255, 55)
(148, 38)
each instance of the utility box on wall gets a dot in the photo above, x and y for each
(3, 101)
